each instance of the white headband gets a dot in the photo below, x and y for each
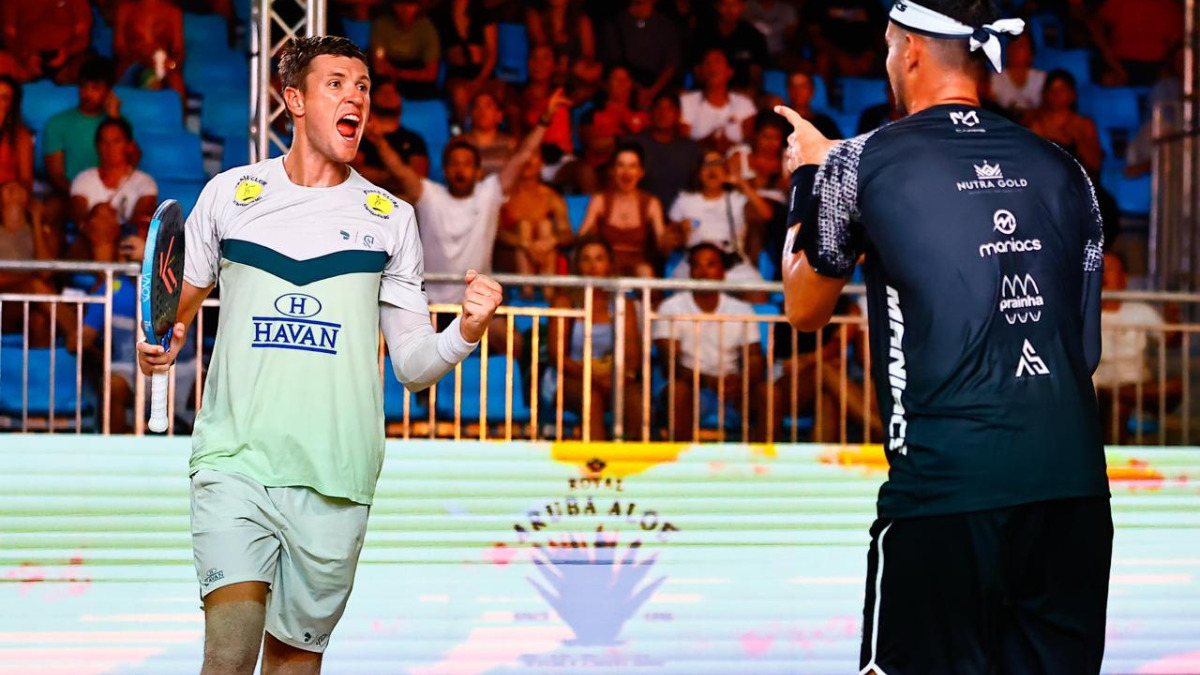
(918, 19)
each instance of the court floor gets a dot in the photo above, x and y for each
(520, 558)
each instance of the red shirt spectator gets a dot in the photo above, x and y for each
(1136, 36)
(48, 38)
(616, 115)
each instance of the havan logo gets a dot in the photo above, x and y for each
(296, 329)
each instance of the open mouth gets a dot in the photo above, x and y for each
(347, 126)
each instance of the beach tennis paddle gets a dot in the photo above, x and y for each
(161, 283)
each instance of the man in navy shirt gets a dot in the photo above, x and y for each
(982, 248)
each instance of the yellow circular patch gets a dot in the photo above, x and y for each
(379, 205)
(247, 191)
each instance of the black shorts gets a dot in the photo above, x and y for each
(1015, 591)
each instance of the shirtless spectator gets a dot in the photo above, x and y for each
(533, 228)
(47, 38)
(148, 45)
(16, 141)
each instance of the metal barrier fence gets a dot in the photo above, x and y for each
(541, 374)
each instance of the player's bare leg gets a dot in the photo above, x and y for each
(234, 617)
(283, 659)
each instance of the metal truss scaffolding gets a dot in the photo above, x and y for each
(274, 22)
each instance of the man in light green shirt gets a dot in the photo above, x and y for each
(70, 136)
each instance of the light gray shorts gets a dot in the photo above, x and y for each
(303, 544)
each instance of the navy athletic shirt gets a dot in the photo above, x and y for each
(983, 270)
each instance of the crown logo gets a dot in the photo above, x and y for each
(988, 172)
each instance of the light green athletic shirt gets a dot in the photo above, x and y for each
(293, 395)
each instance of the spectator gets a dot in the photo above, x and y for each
(563, 26)
(629, 219)
(459, 220)
(722, 210)
(744, 46)
(16, 141)
(467, 36)
(587, 174)
(594, 259)
(384, 121)
(524, 113)
(1058, 121)
(24, 236)
(716, 350)
(615, 114)
(670, 157)
(533, 227)
(48, 39)
(70, 141)
(715, 116)
(1019, 88)
(646, 44)
(878, 115)
(148, 45)
(1135, 37)
(687, 16)
(404, 46)
(763, 164)
(1126, 328)
(776, 20)
(495, 147)
(845, 35)
(115, 185)
(131, 248)
(801, 90)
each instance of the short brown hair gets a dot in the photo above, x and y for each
(296, 57)
(460, 143)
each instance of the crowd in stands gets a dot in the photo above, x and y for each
(599, 137)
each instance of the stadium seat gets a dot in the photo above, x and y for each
(12, 374)
(219, 68)
(102, 34)
(513, 58)
(1133, 195)
(847, 122)
(768, 266)
(235, 151)
(171, 156)
(393, 399)
(496, 389)
(577, 206)
(1078, 62)
(430, 119)
(1111, 107)
(226, 112)
(202, 33)
(43, 100)
(151, 111)
(1046, 31)
(359, 32)
(186, 192)
(859, 94)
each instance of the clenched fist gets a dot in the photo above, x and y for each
(479, 305)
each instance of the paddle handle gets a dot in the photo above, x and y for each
(158, 403)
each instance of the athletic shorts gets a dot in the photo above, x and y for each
(1014, 591)
(303, 544)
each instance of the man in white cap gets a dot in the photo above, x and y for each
(983, 265)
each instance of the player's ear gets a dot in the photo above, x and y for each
(915, 47)
(293, 98)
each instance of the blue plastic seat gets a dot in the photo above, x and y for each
(43, 100)
(226, 112)
(577, 206)
(102, 34)
(217, 68)
(12, 377)
(1112, 107)
(151, 111)
(471, 387)
(1046, 31)
(430, 119)
(847, 122)
(512, 63)
(393, 400)
(186, 192)
(1078, 62)
(204, 32)
(173, 156)
(1133, 195)
(858, 93)
(359, 32)
(236, 151)
(776, 82)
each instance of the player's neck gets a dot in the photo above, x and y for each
(307, 168)
(950, 90)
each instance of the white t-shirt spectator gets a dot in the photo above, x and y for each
(703, 118)
(124, 197)
(1123, 355)
(458, 234)
(716, 221)
(712, 359)
(1012, 97)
